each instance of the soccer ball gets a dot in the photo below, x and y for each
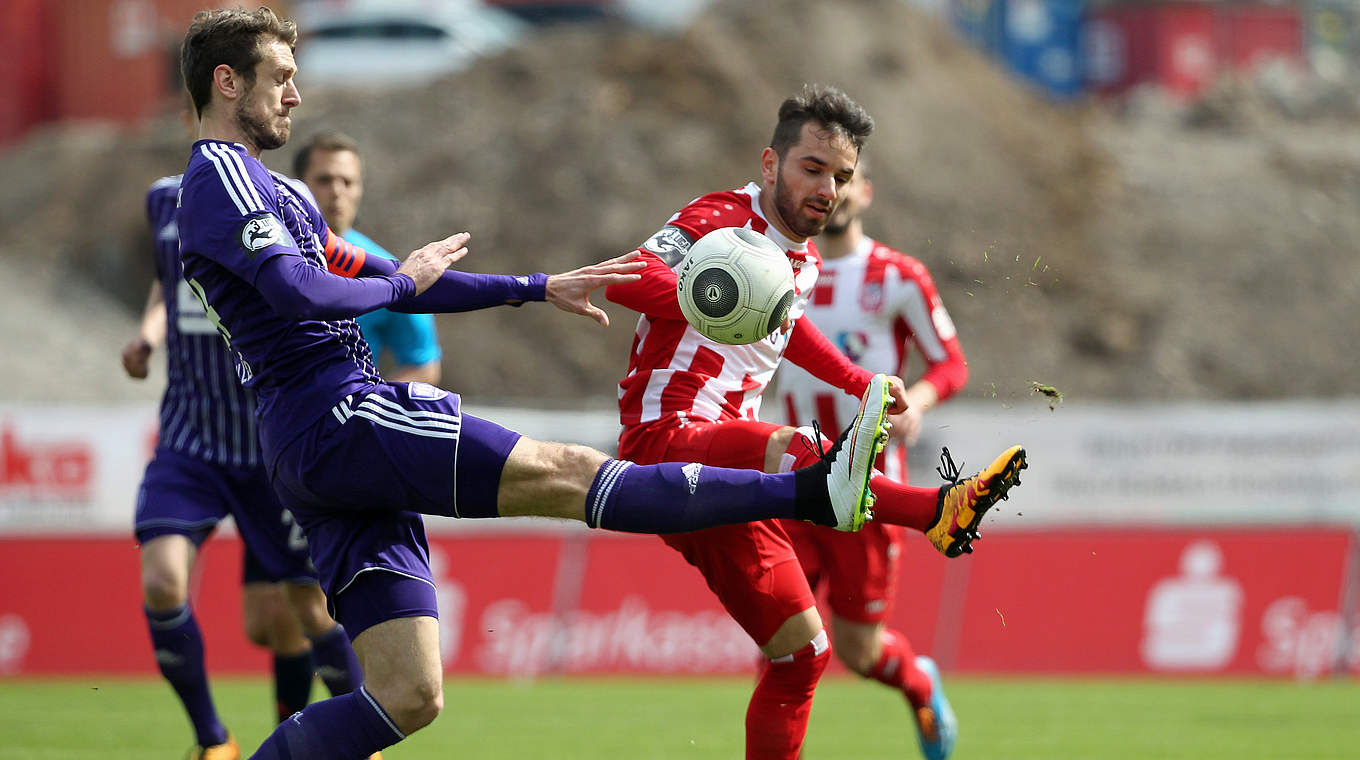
(735, 286)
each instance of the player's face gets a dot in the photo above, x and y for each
(810, 177)
(855, 197)
(336, 179)
(262, 112)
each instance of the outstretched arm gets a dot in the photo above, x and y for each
(439, 290)
(652, 293)
(810, 349)
(570, 291)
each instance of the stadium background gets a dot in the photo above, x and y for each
(1169, 239)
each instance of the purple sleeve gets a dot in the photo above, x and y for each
(458, 291)
(299, 290)
(462, 291)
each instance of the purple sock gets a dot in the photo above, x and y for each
(179, 653)
(336, 662)
(349, 727)
(676, 498)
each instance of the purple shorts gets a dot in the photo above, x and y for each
(359, 479)
(184, 495)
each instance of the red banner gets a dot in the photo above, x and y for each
(1260, 601)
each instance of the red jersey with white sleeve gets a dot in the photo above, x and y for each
(675, 374)
(873, 304)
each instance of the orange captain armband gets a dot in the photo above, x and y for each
(342, 257)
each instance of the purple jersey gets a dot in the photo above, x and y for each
(205, 413)
(235, 215)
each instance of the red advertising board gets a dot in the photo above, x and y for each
(1241, 601)
(1255, 34)
(1182, 46)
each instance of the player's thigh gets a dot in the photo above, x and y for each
(862, 570)
(804, 536)
(742, 444)
(401, 654)
(402, 670)
(752, 570)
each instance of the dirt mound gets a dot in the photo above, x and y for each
(1112, 257)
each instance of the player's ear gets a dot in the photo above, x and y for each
(868, 192)
(769, 166)
(227, 82)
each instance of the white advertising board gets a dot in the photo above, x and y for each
(75, 468)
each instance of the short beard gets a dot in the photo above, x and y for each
(788, 210)
(257, 131)
(835, 227)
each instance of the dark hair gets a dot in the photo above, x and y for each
(827, 106)
(324, 142)
(233, 37)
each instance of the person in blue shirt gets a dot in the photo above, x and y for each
(329, 164)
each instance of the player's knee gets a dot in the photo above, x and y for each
(550, 479)
(855, 657)
(415, 705)
(308, 603)
(803, 448)
(163, 588)
(575, 465)
(257, 629)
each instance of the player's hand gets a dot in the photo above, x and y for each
(898, 391)
(906, 426)
(570, 291)
(426, 265)
(136, 356)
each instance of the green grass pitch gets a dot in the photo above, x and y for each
(692, 718)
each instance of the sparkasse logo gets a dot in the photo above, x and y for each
(50, 471)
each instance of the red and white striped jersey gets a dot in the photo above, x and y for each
(873, 305)
(674, 373)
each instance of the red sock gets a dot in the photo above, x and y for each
(900, 504)
(896, 667)
(777, 717)
(895, 503)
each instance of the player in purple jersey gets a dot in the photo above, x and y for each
(206, 466)
(358, 460)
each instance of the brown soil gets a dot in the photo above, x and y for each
(1158, 252)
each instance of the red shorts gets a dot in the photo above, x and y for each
(751, 567)
(859, 569)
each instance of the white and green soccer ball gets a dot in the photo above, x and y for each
(735, 286)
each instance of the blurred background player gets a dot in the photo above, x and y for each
(404, 346)
(874, 303)
(207, 465)
(688, 398)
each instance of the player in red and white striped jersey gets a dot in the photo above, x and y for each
(874, 303)
(687, 398)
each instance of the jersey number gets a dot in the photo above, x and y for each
(297, 540)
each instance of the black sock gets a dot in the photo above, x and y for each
(293, 676)
(812, 500)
